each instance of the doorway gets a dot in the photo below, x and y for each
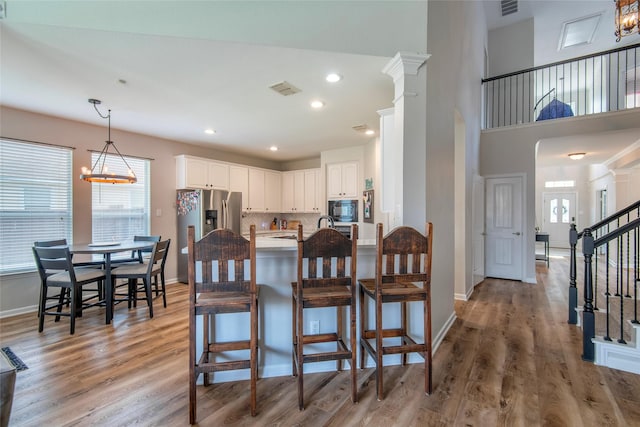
(559, 211)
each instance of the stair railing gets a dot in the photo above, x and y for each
(627, 234)
(598, 229)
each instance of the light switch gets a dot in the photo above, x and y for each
(158, 212)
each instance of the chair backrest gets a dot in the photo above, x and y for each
(159, 255)
(219, 252)
(50, 258)
(49, 243)
(138, 253)
(404, 254)
(332, 249)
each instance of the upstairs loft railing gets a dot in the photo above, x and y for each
(591, 84)
(621, 286)
(600, 229)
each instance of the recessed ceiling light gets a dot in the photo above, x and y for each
(273, 148)
(209, 131)
(576, 156)
(333, 77)
(317, 104)
(370, 132)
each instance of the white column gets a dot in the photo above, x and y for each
(409, 137)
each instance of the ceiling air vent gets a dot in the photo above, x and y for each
(285, 88)
(360, 128)
(509, 7)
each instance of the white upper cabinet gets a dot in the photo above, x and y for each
(239, 181)
(313, 200)
(192, 172)
(264, 191)
(293, 187)
(342, 180)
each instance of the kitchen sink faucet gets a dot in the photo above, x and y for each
(329, 219)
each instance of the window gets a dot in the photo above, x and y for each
(35, 200)
(559, 184)
(121, 211)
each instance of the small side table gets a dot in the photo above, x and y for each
(543, 237)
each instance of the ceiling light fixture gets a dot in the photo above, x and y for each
(99, 173)
(627, 18)
(333, 77)
(369, 132)
(209, 131)
(576, 156)
(273, 148)
(317, 104)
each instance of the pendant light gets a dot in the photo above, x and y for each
(627, 18)
(99, 172)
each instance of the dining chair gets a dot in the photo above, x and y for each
(224, 284)
(57, 271)
(93, 292)
(326, 275)
(144, 271)
(140, 254)
(402, 275)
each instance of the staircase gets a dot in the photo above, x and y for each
(609, 316)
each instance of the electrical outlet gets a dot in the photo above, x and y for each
(314, 327)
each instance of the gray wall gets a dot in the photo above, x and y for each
(511, 48)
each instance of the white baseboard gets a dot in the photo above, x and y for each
(464, 297)
(19, 311)
(530, 280)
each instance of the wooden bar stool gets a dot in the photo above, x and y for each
(402, 275)
(322, 288)
(226, 284)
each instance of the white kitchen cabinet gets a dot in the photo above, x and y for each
(264, 191)
(193, 172)
(272, 191)
(342, 181)
(293, 187)
(239, 181)
(313, 200)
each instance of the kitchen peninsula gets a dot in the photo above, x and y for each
(276, 269)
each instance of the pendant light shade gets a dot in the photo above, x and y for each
(99, 172)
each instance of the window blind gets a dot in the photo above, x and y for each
(35, 200)
(121, 211)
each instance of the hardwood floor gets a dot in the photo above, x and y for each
(510, 359)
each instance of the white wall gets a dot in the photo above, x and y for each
(511, 48)
(453, 73)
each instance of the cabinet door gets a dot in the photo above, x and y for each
(196, 173)
(239, 181)
(256, 190)
(350, 180)
(218, 176)
(334, 181)
(287, 191)
(311, 191)
(272, 191)
(298, 191)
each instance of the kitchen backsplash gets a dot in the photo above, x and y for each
(263, 221)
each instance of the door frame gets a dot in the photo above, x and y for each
(525, 233)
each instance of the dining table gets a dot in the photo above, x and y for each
(106, 249)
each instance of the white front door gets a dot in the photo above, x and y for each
(504, 236)
(559, 213)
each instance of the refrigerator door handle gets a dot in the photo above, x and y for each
(225, 214)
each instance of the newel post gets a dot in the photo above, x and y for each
(588, 316)
(573, 290)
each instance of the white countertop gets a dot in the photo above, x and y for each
(271, 241)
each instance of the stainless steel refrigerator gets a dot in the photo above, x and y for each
(206, 210)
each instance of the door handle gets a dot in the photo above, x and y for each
(517, 233)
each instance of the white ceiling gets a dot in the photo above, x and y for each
(192, 65)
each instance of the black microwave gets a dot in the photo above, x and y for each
(343, 210)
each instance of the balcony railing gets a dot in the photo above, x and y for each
(597, 83)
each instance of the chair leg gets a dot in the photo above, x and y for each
(192, 362)
(147, 289)
(205, 341)
(428, 357)
(352, 338)
(43, 305)
(254, 354)
(300, 353)
(164, 289)
(72, 308)
(362, 328)
(340, 324)
(379, 390)
(294, 335)
(403, 321)
(61, 301)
